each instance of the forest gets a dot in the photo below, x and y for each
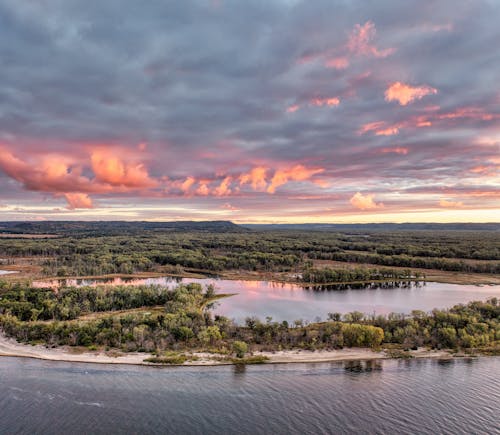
(158, 320)
(82, 249)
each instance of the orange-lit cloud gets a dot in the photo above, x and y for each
(293, 108)
(187, 184)
(256, 178)
(297, 173)
(405, 94)
(203, 189)
(78, 200)
(364, 202)
(450, 204)
(390, 131)
(116, 172)
(50, 173)
(223, 188)
(380, 128)
(61, 175)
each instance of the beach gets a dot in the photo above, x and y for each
(11, 348)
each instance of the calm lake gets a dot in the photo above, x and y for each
(385, 397)
(291, 302)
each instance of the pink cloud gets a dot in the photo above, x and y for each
(330, 101)
(477, 113)
(337, 62)
(361, 41)
(406, 94)
(293, 108)
(203, 189)
(396, 150)
(229, 207)
(78, 200)
(364, 202)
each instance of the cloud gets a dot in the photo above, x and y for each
(256, 178)
(78, 200)
(229, 207)
(406, 94)
(361, 41)
(187, 184)
(395, 150)
(450, 204)
(224, 187)
(364, 202)
(114, 171)
(50, 173)
(203, 189)
(329, 101)
(380, 128)
(297, 173)
(293, 108)
(203, 111)
(337, 63)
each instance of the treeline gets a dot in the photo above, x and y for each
(327, 275)
(405, 261)
(474, 325)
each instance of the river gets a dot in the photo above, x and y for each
(384, 397)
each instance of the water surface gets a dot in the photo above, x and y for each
(291, 302)
(385, 397)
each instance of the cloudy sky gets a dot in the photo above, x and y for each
(253, 111)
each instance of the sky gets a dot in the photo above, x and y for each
(252, 111)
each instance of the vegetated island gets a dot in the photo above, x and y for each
(159, 326)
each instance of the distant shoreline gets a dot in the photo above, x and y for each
(11, 348)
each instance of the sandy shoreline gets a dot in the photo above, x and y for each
(11, 348)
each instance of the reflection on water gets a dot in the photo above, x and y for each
(283, 301)
(362, 366)
(383, 397)
(7, 272)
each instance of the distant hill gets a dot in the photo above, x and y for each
(111, 228)
(379, 227)
(115, 227)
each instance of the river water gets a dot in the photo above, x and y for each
(385, 397)
(291, 302)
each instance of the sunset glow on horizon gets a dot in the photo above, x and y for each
(255, 112)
